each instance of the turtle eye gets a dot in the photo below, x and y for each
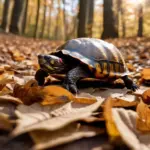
(52, 62)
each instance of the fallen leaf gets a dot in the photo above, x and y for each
(7, 109)
(47, 139)
(5, 124)
(145, 76)
(5, 78)
(143, 119)
(125, 122)
(110, 125)
(146, 96)
(130, 67)
(51, 117)
(48, 95)
(8, 98)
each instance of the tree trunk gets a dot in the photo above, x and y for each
(16, 14)
(109, 30)
(5, 15)
(123, 23)
(49, 20)
(140, 21)
(90, 17)
(64, 19)
(57, 21)
(82, 16)
(24, 21)
(37, 19)
(44, 19)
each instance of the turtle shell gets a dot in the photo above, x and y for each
(101, 57)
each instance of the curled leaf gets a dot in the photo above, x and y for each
(143, 119)
(110, 125)
(146, 96)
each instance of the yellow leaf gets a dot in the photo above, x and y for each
(110, 125)
(5, 124)
(143, 119)
(146, 96)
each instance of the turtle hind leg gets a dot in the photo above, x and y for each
(129, 83)
(72, 77)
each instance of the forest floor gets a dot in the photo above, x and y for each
(41, 117)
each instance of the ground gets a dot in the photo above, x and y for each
(18, 57)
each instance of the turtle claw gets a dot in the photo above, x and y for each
(134, 87)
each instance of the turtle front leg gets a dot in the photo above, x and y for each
(72, 77)
(40, 76)
(129, 83)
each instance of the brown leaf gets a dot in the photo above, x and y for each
(110, 125)
(145, 76)
(5, 124)
(51, 117)
(146, 96)
(31, 93)
(74, 131)
(7, 109)
(125, 122)
(8, 98)
(130, 67)
(48, 95)
(143, 120)
(5, 78)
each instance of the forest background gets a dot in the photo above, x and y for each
(65, 19)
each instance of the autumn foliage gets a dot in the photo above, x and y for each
(53, 116)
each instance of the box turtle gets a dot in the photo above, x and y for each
(84, 57)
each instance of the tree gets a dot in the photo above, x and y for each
(122, 11)
(16, 14)
(64, 19)
(44, 19)
(82, 16)
(37, 19)
(57, 33)
(109, 30)
(120, 14)
(49, 20)
(24, 21)
(5, 14)
(140, 20)
(90, 17)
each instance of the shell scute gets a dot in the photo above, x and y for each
(98, 55)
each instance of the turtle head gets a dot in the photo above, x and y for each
(51, 63)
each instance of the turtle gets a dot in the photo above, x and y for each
(84, 58)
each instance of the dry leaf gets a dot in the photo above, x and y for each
(145, 76)
(122, 101)
(110, 125)
(48, 95)
(7, 108)
(130, 67)
(125, 122)
(143, 120)
(31, 93)
(4, 79)
(51, 117)
(146, 96)
(47, 139)
(8, 98)
(5, 124)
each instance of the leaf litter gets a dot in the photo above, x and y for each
(53, 116)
